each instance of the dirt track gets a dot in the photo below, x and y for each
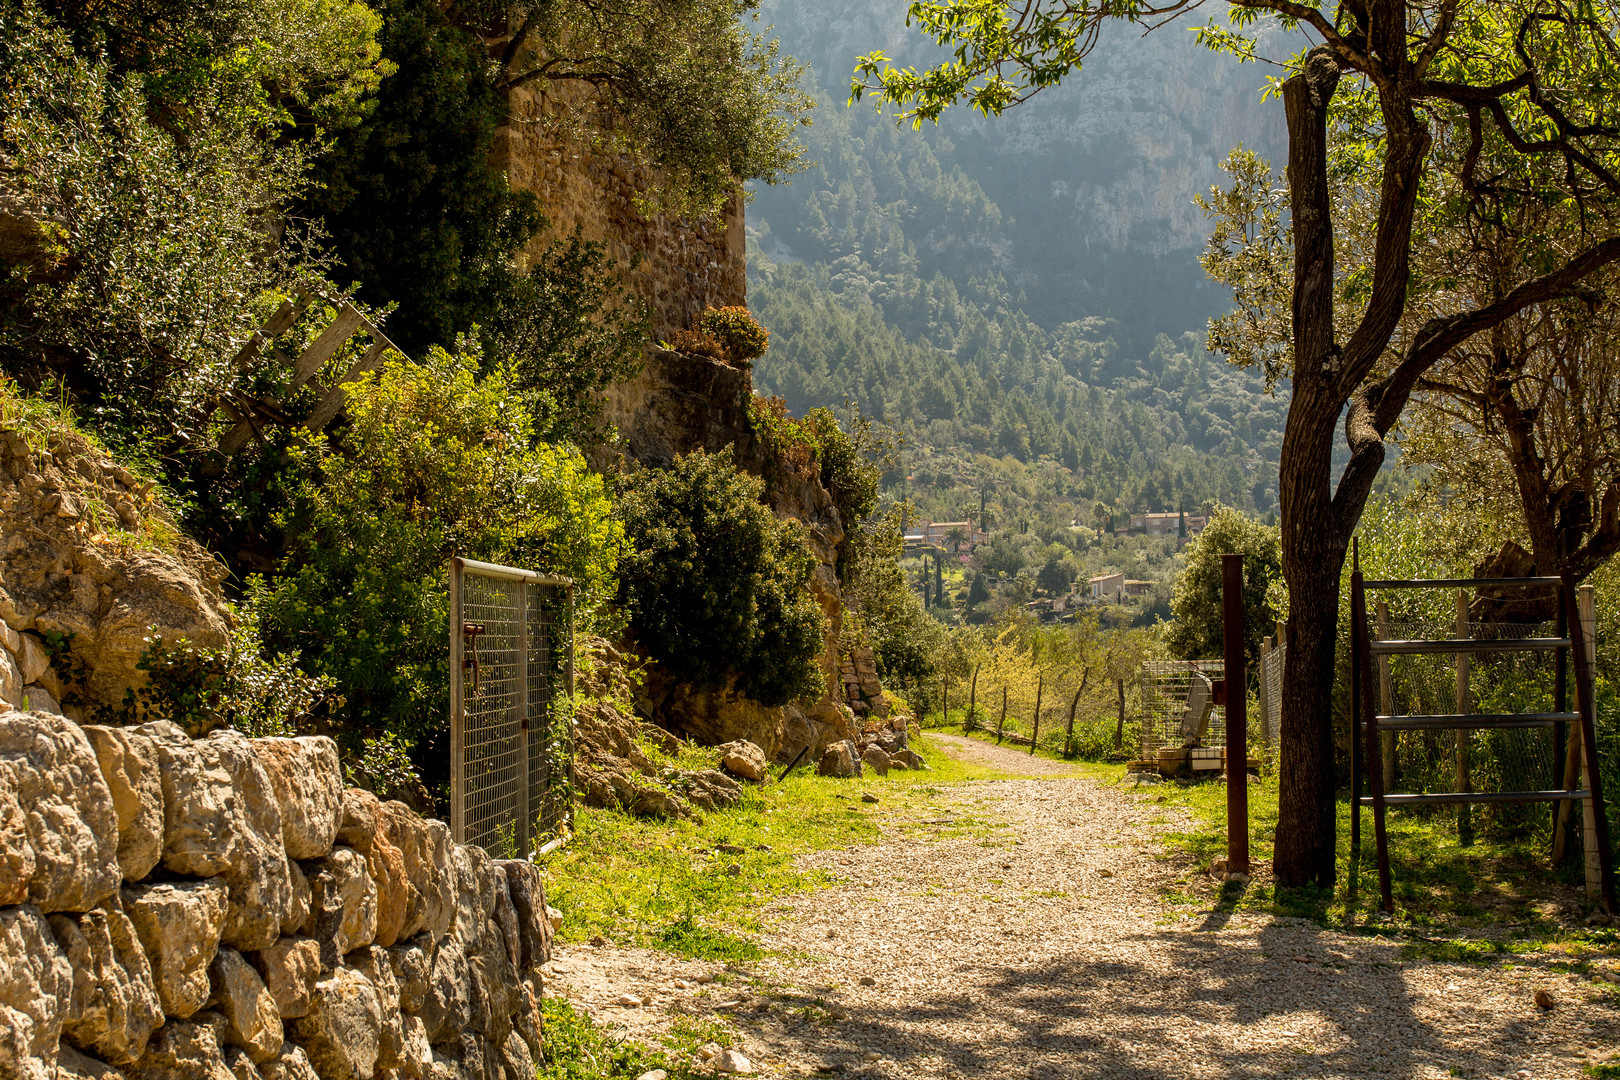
(1038, 945)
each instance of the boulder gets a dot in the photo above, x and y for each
(308, 784)
(342, 903)
(36, 985)
(361, 810)
(221, 817)
(412, 965)
(491, 985)
(72, 1065)
(527, 890)
(908, 758)
(425, 848)
(290, 1064)
(56, 816)
(290, 968)
(891, 740)
(252, 1018)
(446, 1008)
(372, 962)
(840, 760)
(184, 1050)
(875, 759)
(710, 789)
(114, 1006)
(129, 765)
(742, 758)
(178, 925)
(342, 1029)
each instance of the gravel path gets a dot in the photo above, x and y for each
(1027, 938)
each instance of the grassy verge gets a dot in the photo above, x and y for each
(701, 888)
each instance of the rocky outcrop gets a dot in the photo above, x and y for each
(402, 956)
(93, 563)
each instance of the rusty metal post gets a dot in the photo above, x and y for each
(1237, 718)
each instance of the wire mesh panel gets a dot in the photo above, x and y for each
(511, 692)
(1166, 685)
(1271, 683)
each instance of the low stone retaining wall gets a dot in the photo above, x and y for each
(224, 909)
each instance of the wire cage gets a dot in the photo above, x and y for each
(1165, 687)
(1272, 662)
(511, 715)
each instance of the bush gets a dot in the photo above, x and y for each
(433, 463)
(716, 583)
(737, 331)
(1197, 630)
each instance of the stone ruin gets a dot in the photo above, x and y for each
(857, 669)
(225, 909)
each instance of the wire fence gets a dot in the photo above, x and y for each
(1166, 686)
(511, 674)
(1272, 662)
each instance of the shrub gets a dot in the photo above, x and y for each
(434, 462)
(737, 331)
(852, 462)
(716, 583)
(697, 343)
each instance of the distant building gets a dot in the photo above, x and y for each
(1137, 588)
(925, 533)
(1107, 586)
(1167, 524)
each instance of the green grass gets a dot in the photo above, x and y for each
(668, 884)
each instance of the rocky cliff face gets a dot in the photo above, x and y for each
(224, 909)
(680, 403)
(90, 566)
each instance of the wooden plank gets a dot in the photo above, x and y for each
(321, 349)
(1436, 646)
(1465, 721)
(330, 405)
(1437, 798)
(1455, 583)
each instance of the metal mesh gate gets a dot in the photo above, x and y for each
(511, 695)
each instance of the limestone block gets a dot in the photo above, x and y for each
(114, 1005)
(11, 680)
(527, 890)
(178, 925)
(290, 1064)
(504, 918)
(39, 699)
(840, 760)
(412, 965)
(342, 902)
(372, 962)
(297, 913)
(527, 1021)
(743, 758)
(516, 1061)
(252, 1017)
(875, 759)
(446, 1009)
(386, 864)
(72, 1065)
(492, 989)
(308, 784)
(36, 983)
(425, 848)
(290, 969)
(54, 800)
(241, 1064)
(475, 893)
(221, 818)
(129, 765)
(32, 660)
(184, 1050)
(341, 1031)
(360, 812)
(416, 1055)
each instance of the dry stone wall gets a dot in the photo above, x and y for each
(224, 909)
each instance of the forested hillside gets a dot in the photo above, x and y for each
(1029, 289)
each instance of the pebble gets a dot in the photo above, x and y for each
(627, 1000)
(733, 1061)
(654, 1074)
(682, 984)
(867, 980)
(1544, 1000)
(730, 849)
(868, 797)
(704, 978)
(732, 1004)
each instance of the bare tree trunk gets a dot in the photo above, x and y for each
(1003, 721)
(973, 699)
(1119, 725)
(1068, 734)
(1040, 684)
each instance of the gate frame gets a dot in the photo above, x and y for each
(524, 578)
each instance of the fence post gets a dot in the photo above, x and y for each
(944, 702)
(525, 812)
(1003, 721)
(973, 699)
(1465, 815)
(1264, 696)
(1237, 717)
(458, 813)
(1040, 684)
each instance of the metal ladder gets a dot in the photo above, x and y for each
(1366, 722)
